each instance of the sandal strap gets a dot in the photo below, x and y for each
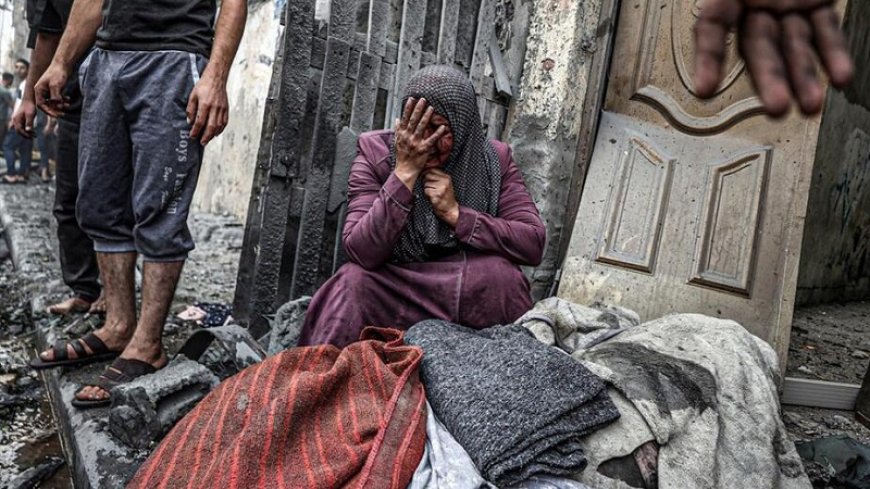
(124, 370)
(105, 383)
(95, 344)
(121, 371)
(60, 351)
(79, 348)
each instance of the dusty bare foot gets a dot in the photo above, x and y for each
(70, 306)
(99, 305)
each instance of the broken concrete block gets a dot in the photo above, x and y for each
(36, 475)
(231, 344)
(287, 325)
(145, 409)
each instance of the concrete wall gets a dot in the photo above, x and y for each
(230, 160)
(545, 121)
(835, 262)
(13, 33)
(543, 124)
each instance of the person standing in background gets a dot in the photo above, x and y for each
(7, 102)
(18, 145)
(49, 135)
(78, 261)
(40, 132)
(154, 95)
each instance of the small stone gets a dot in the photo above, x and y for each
(837, 421)
(860, 355)
(804, 369)
(25, 382)
(792, 418)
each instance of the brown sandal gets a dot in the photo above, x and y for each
(99, 352)
(121, 371)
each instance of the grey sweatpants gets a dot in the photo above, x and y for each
(138, 167)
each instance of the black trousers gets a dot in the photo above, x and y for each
(78, 261)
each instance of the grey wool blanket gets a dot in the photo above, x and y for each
(704, 388)
(446, 465)
(518, 407)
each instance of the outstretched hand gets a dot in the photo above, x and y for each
(781, 41)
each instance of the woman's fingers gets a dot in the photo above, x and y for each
(424, 122)
(406, 114)
(831, 45)
(801, 59)
(416, 115)
(438, 134)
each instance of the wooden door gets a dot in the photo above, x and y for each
(689, 205)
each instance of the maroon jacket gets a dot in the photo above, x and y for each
(379, 204)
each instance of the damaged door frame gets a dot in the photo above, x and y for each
(794, 391)
(593, 103)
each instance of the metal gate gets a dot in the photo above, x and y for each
(338, 74)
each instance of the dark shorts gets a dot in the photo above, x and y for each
(138, 167)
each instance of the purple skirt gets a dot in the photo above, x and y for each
(468, 288)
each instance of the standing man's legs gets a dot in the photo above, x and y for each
(42, 146)
(9, 147)
(25, 151)
(4, 127)
(153, 88)
(16, 143)
(104, 205)
(78, 262)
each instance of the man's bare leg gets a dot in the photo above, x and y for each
(118, 273)
(99, 305)
(158, 288)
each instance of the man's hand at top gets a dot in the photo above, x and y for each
(22, 119)
(207, 109)
(781, 41)
(49, 90)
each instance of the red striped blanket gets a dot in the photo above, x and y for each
(315, 417)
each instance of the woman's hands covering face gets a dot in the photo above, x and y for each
(415, 148)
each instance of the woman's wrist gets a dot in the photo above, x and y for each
(408, 176)
(452, 217)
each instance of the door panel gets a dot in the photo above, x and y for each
(689, 205)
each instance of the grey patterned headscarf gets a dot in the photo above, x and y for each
(473, 165)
